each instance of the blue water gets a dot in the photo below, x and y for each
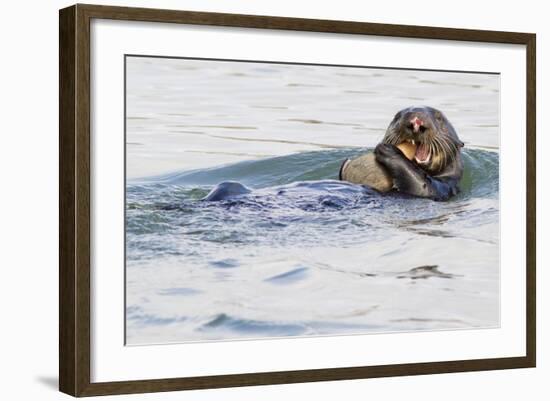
(305, 254)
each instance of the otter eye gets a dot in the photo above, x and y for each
(438, 116)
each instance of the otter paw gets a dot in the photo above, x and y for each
(384, 151)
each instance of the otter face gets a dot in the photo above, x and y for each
(426, 128)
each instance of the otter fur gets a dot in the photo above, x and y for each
(420, 155)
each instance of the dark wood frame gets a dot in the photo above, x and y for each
(74, 199)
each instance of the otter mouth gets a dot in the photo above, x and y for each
(422, 154)
(419, 151)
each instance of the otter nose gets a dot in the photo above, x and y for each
(416, 124)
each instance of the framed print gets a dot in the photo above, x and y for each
(250, 200)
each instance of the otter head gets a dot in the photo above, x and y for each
(435, 139)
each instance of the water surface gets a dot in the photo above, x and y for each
(303, 254)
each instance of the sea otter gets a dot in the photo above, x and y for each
(419, 155)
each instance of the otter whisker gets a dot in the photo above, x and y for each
(432, 149)
(392, 137)
(436, 155)
(445, 150)
(452, 149)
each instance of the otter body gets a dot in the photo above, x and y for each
(226, 190)
(433, 171)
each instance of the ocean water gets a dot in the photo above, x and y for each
(303, 254)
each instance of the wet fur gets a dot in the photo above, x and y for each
(437, 179)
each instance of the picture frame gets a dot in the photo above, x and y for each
(76, 335)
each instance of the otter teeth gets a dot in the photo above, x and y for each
(411, 141)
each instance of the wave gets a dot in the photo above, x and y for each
(481, 172)
(300, 230)
(305, 166)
